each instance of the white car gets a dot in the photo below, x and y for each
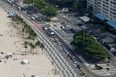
(14, 5)
(33, 18)
(59, 44)
(19, 8)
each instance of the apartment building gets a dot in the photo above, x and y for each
(106, 8)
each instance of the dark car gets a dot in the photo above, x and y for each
(114, 53)
(110, 58)
(78, 66)
(73, 60)
(64, 24)
(72, 30)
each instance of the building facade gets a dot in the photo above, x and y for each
(106, 8)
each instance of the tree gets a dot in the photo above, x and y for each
(42, 46)
(29, 37)
(96, 51)
(80, 6)
(40, 4)
(32, 47)
(90, 11)
(25, 43)
(63, 3)
(88, 45)
(28, 1)
(38, 43)
(49, 12)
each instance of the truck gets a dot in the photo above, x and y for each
(84, 72)
(49, 31)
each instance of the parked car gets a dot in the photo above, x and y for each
(79, 67)
(19, 8)
(84, 72)
(65, 51)
(64, 24)
(69, 55)
(114, 53)
(72, 30)
(33, 18)
(109, 57)
(73, 60)
(59, 44)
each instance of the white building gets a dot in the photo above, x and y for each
(106, 8)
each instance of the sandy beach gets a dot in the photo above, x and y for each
(12, 42)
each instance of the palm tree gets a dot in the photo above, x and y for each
(29, 37)
(25, 48)
(25, 43)
(37, 44)
(42, 46)
(32, 47)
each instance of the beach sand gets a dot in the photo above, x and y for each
(11, 42)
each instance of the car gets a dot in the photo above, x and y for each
(109, 57)
(84, 27)
(33, 18)
(69, 55)
(114, 53)
(73, 60)
(79, 67)
(64, 24)
(28, 12)
(84, 72)
(59, 44)
(10, 2)
(14, 5)
(19, 8)
(72, 30)
(66, 51)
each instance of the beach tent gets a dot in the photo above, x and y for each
(25, 61)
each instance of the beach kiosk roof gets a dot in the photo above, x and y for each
(113, 24)
(84, 18)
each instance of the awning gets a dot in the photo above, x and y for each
(100, 16)
(25, 61)
(111, 24)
